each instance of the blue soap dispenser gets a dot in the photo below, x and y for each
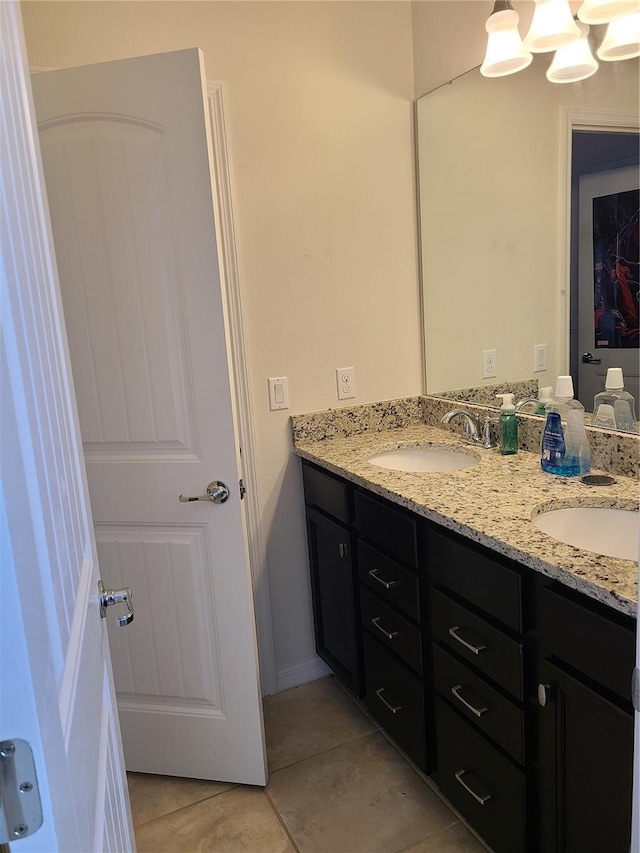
(508, 425)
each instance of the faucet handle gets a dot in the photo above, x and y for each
(487, 441)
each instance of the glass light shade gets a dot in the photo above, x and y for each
(552, 26)
(603, 11)
(622, 39)
(574, 61)
(505, 53)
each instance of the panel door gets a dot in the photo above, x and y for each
(126, 155)
(57, 688)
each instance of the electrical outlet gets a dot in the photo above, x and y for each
(539, 358)
(489, 368)
(345, 377)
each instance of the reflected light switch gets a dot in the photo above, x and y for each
(278, 393)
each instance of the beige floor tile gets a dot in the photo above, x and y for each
(456, 839)
(309, 719)
(237, 821)
(153, 796)
(360, 797)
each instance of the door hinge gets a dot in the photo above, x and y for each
(242, 488)
(20, 806)
(635, 688)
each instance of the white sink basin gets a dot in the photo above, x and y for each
(423, 459)
(609, 531)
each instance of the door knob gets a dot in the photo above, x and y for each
(107, 597)
(217, 493)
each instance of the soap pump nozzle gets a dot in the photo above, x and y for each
(507, 402)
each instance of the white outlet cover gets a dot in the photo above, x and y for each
(345, 379)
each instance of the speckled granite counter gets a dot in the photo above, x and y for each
(491, 503)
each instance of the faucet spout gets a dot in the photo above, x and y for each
(472, 428)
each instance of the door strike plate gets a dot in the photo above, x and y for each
(20, 806)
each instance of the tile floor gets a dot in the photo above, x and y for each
(335, 786)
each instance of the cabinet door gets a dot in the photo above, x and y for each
(586, 752)
(332, 582)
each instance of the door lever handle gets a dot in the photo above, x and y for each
(107, 597)
(588, 358)
(217, 493)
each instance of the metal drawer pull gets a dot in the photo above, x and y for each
(393, 709)
(453, 632)
(477, 797)
(477, 711)
(389, 636)
(386, 584)
(343, 550)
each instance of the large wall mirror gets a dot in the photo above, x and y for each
(494, 170)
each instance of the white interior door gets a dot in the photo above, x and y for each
(126, 158)
(57, 689)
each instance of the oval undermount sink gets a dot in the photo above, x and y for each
(423, 459)
(609, 531)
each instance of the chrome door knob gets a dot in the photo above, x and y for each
(217, 493)
(108, 597)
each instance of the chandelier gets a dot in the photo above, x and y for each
(554, 29)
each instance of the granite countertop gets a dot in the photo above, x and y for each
(491, 503)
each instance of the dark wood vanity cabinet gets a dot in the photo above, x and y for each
(511, 690)
(333, 580)
(584, 725)
(396, 640)
(481, 683)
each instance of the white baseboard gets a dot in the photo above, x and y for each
(300, 673)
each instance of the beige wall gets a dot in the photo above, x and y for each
(448, 39)
(318, 107)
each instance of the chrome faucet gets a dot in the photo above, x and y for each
(471, 432)
(527, 401)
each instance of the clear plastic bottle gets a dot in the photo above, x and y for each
(508, 425)
(623, 404)
(565, 448)
(544, 398)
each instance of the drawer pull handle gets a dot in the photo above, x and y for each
(386, 584)
(480, 799)
(342, 550)
(453, 632)
(393, 708)
(389, 635)
(477, 711)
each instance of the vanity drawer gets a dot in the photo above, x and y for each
(325, 492)
(392, 630)
(395, 698)
(493, 587)
(480, 783)
(490, 711)
(599, 646)
(478, 642)
(390, 529)
(391, 581)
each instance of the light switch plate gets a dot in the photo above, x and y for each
(539, 358)
(278, 393)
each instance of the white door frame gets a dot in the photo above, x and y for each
(230, 283)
